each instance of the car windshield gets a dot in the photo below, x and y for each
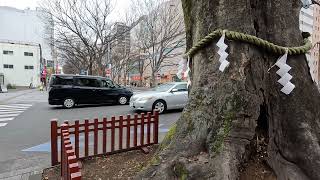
(163, 87)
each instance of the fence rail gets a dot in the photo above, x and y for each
(69, 167)
(107, 136)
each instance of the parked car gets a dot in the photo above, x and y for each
(163, 97)
(71, 90)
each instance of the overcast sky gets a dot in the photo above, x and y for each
(119, 10)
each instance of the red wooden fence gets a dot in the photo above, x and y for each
(110, 136)
(69, 167)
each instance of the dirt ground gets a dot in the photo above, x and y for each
(118, 166)
(127, 165)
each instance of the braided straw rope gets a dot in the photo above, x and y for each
(233, 35)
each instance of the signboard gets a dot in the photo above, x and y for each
(136, 78)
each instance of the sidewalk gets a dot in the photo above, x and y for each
(13, 94)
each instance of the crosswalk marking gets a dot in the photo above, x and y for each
(10, 111)
(3, 124)
(8, 115)
(6, 119)
(14, 107)
(21, 105)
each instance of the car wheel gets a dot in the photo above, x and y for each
(123, 100)
(159, 106)
(68, 103)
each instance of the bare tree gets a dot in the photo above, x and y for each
(161, 33)
(81, 29)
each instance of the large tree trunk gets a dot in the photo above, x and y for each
(226, 110)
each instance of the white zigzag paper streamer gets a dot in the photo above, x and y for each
(284, 68)
(187, 73)
(223, 54)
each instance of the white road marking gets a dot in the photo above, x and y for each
(8, 115)
(3, 124)
(29, 105)
(6, 119)
(7, 110)
(14, 107)
(10, 111)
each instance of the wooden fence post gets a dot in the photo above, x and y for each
(76, 138)
(86, 138)
(128, 131)
(142, 130)
(148, 127)
(156, 126)
(120, 132)
(95, 137)
(135, 129)
(113, 128)
(54, 142)
(104, 136)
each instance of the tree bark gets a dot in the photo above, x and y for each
(211, 139)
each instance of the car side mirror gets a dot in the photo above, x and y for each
(174, 90)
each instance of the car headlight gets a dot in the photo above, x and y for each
(145, 98)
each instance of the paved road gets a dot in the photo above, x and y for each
(25, 129)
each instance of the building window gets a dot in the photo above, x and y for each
(8, 66)
(28, 54)
(7, 52)
(28, 67)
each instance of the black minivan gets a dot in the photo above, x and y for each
(70, 90)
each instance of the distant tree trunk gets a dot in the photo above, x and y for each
(90, 68)
(153, 80)
(125, 77)
(140, 81)
(226, 110)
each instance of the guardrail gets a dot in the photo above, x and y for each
(107, 136)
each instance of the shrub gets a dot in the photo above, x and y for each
(11, 86)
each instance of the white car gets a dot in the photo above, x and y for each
(161, 98)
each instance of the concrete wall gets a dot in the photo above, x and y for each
(20, 76)
(25, 26)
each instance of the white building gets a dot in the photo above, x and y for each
(20, 63)
(309, 20)
(24, 31)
